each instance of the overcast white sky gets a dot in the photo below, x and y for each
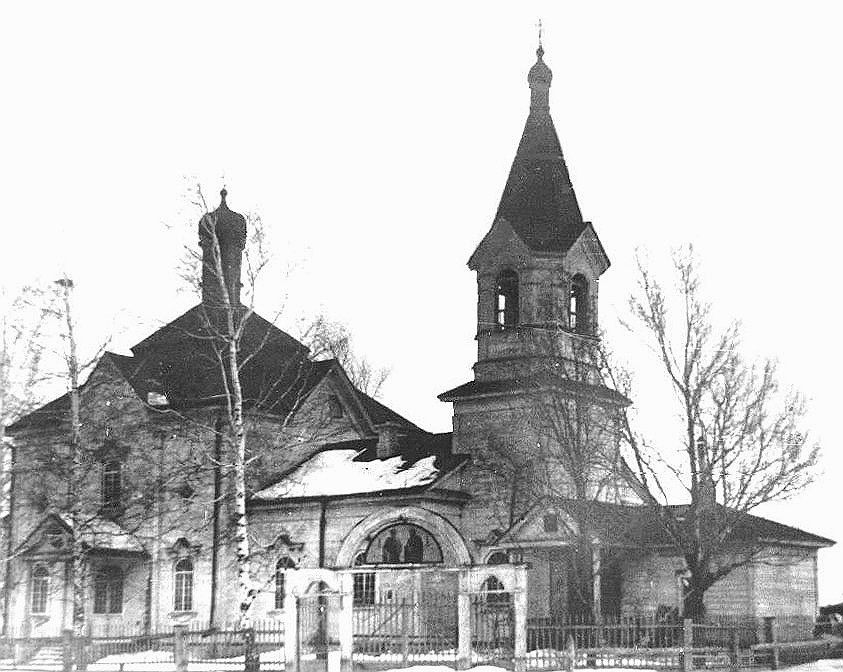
(375, 139)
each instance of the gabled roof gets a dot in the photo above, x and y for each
(98, 534)
(380, 414)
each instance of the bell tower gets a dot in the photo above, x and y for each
(538, 266)
(537, 270)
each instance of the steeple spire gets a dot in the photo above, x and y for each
(538, 200)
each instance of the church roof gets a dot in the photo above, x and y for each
(483, 388)
(353, 468)
(639, 526)
(538, 200)
(379, 414)
(180, 361)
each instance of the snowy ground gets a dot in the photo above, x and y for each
(161, 661)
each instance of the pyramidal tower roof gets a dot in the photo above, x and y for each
(538, 201)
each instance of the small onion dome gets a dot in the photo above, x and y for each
(230, 225)
(540, 75)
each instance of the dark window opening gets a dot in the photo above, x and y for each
(108, 591)
(334, 407)
(551, 522)
(183, 587)
(578, 305)
(364, 584)
(506, 299)
(186, 493)
(40, 589)
(281, 568)
(111, 485)
(498, 558)
(494, 591)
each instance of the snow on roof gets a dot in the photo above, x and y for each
(335, 472)
(104, 534)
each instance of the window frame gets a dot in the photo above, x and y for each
(364, 588)
(494, 592)
(39, 587)
(281, 566)
(507, 313)
(108, 590)
(183, 586)
(111, 493)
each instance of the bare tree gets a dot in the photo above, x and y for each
(743, 442)
(332, 340)
(24, 317)
(561, 451)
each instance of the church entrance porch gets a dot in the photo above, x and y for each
(565, 584)
(436, 615)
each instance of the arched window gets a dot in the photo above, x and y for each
(494, 591)
(506, 299)
(111, 485)
(40, 589)
(281, 568)
(108, 590)
(183, 585)
(364, 583)
(498, 558)
(578, 305)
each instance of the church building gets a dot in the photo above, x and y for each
(339, 482)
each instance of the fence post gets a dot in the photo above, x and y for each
(346, 624)
(464, 621)
(773, 629)
(67, 650)
(570, 654)
(179, 647)
(405, 633)
(734, 653)
(519, 617)
(251, 657)
(291, 633)
(687, 644)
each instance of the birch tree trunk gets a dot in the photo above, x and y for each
(75, 482)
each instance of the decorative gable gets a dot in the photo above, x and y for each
(500, 247)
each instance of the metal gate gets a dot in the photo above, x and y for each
(318, 631)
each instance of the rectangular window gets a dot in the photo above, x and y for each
(111, 485)
(551, 522)
(364, 588)
(108, 591)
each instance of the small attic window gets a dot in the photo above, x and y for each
(578, 305)
(506, 299)
(334, 407)
(551, 522)
(156, 399)
(55, 537)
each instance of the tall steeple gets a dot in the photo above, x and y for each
(538, 266)
(228, 229)
(537, 286)
(538, 200)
